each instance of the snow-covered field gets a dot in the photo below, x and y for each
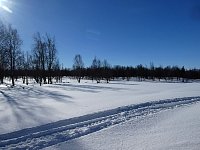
(176, 129)
(137, 108)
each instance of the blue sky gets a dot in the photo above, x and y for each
(125, 32)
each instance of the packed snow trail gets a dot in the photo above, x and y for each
(54, 133)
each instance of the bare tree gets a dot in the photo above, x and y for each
(78, 67)
(3, 60)
(96, 69)
(57, 71)
(44, 57)
(106, 73)
(39, 58)
(51, 55)
(25, 66)
(13, 48)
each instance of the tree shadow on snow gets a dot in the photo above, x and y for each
(22, 109)
(55, 95)
(26, 107)
(121, 83)
(86, 88)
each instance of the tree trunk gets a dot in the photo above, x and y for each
(1, 80)
(26, 80)
(79, 80)
(13, 81)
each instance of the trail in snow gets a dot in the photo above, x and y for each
(54, 133)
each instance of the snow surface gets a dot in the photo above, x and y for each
(40, 109)
(34, 105)
(57, 132)
(176, 129)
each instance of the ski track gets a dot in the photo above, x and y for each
(64, 130)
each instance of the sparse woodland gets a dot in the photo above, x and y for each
(42, 64)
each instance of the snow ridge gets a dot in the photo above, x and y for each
(64, 130)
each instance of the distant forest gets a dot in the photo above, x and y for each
(42, 64)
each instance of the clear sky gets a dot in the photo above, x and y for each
(125, 32)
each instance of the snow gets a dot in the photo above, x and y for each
(38, 117)
(54, 133)
(171, 129)
(33, 105)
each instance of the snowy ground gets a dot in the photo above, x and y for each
(176, 129)
(41, 108)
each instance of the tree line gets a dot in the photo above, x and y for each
(102, 70)
(42, 64)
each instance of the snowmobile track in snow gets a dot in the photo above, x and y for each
(64, 130)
